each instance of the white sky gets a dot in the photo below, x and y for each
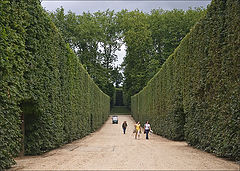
(121, 54)
(79, 6)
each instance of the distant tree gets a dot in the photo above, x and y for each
(108, 41)
(94, 38)
(117, 77)
(137, 37)
(168, 28)
(150, 39)
(66, 25)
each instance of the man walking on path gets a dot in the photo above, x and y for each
(147, 128)
(124, 126)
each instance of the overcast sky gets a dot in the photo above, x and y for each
(79, 6)
(146, 6)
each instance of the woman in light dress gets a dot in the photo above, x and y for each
(137, 130)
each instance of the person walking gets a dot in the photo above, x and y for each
(147, 129)
(137, 130)
(124, 126)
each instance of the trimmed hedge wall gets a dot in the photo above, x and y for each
(195, 95)
(41, 78)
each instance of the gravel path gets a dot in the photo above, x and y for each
(110, 149)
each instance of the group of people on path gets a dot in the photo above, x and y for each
(137, 129)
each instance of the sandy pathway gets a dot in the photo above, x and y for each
(110, 149)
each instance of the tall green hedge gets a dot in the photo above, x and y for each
(41, 78)
(195, 95)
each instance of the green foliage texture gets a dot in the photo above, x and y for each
(150, 39)
(41, 77)
(94, 39)
(195, 95)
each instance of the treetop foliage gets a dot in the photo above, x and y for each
(149, 40)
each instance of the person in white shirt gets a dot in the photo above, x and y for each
(147, 129)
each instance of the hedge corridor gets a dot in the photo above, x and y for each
(195, 95)
(43, 83)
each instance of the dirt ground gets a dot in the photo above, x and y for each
(110, 149)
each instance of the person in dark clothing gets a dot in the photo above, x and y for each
(124, 126)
